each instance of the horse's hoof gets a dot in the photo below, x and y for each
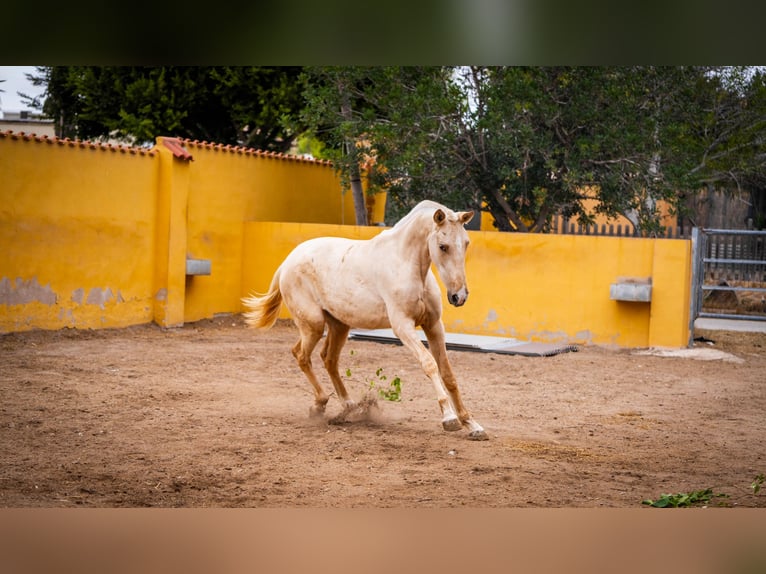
(452, 425)
(316, 412)
(345, 415)
(478, 435)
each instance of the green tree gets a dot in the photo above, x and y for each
(730, 134)
(390, 122)
(250, 106)
(529, 142)
(615, 132)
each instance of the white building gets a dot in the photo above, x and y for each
(27, 122)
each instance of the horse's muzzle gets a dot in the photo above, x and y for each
(459, 298)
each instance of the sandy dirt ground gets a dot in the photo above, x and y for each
(216, 415)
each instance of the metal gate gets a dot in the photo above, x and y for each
(728, 274)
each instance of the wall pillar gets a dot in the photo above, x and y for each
(669, 324)
(170, 256)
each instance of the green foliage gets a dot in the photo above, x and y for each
(686, 499)
(524, 143)
(390, 391)
(306, 144)
(527, 141)
(757, 483)
(250, 106)
(698, 497)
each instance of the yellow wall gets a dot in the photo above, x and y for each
(228, 186)
(97, 236)
(93, 236)
(532, 286)
(557, 288)
(77, 227)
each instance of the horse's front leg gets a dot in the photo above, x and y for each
(405, 330)
(436, 343)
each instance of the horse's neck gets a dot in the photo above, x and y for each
(411, 241)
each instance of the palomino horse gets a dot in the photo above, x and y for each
(371, 284)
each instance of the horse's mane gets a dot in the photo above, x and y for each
(426, 204)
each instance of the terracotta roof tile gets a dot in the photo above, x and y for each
(176, 145)
(253, 152)
(76, 143)
(179, 151)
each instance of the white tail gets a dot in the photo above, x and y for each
(264, 308)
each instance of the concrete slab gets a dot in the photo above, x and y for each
(742, 325)
(479, 343)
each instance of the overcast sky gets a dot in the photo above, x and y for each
(16, 81)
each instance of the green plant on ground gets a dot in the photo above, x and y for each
(392, 391)
(687, 499)
(758, 482)
(684, 499)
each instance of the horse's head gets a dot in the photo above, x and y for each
(447, 245)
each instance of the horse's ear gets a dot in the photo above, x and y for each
(439, 216)
(465, 216)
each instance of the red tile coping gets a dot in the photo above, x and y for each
(179, 151)
(176, 145)
(76, 143)
(254, 152)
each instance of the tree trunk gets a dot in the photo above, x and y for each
(357, 192)
(509, 213)
(360, 208)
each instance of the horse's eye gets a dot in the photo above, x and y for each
(444, 248)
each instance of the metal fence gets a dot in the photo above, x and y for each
(564, 225)
(729, 274)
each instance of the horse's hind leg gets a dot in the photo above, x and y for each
(437, 346)
(311, 332)
(337, 333)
